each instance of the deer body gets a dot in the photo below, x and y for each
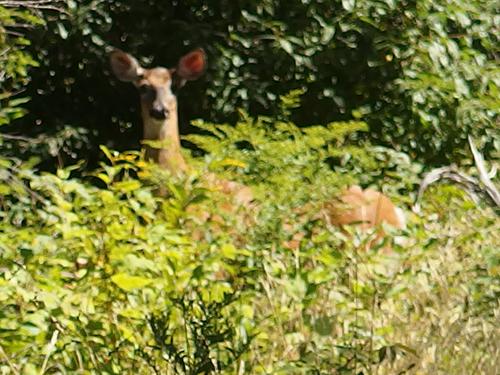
(366, 208)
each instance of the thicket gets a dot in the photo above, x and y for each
(109, 280)
(422, 74)
(100, 275)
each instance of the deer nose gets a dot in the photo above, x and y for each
(158, 113)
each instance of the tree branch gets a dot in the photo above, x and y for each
(33, 4)
(490, 188)
(475, 188)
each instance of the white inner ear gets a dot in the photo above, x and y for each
(128, 70)
(134, 71)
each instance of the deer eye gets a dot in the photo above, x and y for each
(145, 88)
(147, 92)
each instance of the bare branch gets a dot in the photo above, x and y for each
(490, 188)
(4, 52)
(27, 3)
(34, 4)
(50, 348)
(17, 137)
(469, 184)
(7, 359)
(483, 187)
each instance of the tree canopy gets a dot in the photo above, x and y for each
(423, 75)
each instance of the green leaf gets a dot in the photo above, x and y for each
(348, 5)
(129, 283)
(127, 186)
(63, 32)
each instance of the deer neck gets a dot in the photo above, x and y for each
(167, 153)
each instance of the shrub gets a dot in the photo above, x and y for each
(106, 277)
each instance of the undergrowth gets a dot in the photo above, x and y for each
(100, 275)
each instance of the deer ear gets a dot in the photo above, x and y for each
(192, 66)
(124, 66)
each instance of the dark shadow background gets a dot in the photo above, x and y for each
(257, 51)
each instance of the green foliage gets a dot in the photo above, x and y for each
(109, 278)
(265, 152)
(99, 274)
(422, 74)
(14, 60)
(16, 64)
(449, 78)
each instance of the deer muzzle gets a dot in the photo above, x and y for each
(158, 112)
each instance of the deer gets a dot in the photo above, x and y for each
(159, 103)
(157, 86)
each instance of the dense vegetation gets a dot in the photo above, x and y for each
(422, 74)
(100, 275)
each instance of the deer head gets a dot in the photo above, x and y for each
(157, 88)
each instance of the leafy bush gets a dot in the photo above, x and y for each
(14, 60)
(422, 74)
(100, 275)
(105, 279)
(110, 280)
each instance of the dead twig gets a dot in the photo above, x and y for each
(50, 348)
(34, 4)
(476, 188)
(467, 183)
(6, 358)
(28, 3)
(484, 176)
(18, 138)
